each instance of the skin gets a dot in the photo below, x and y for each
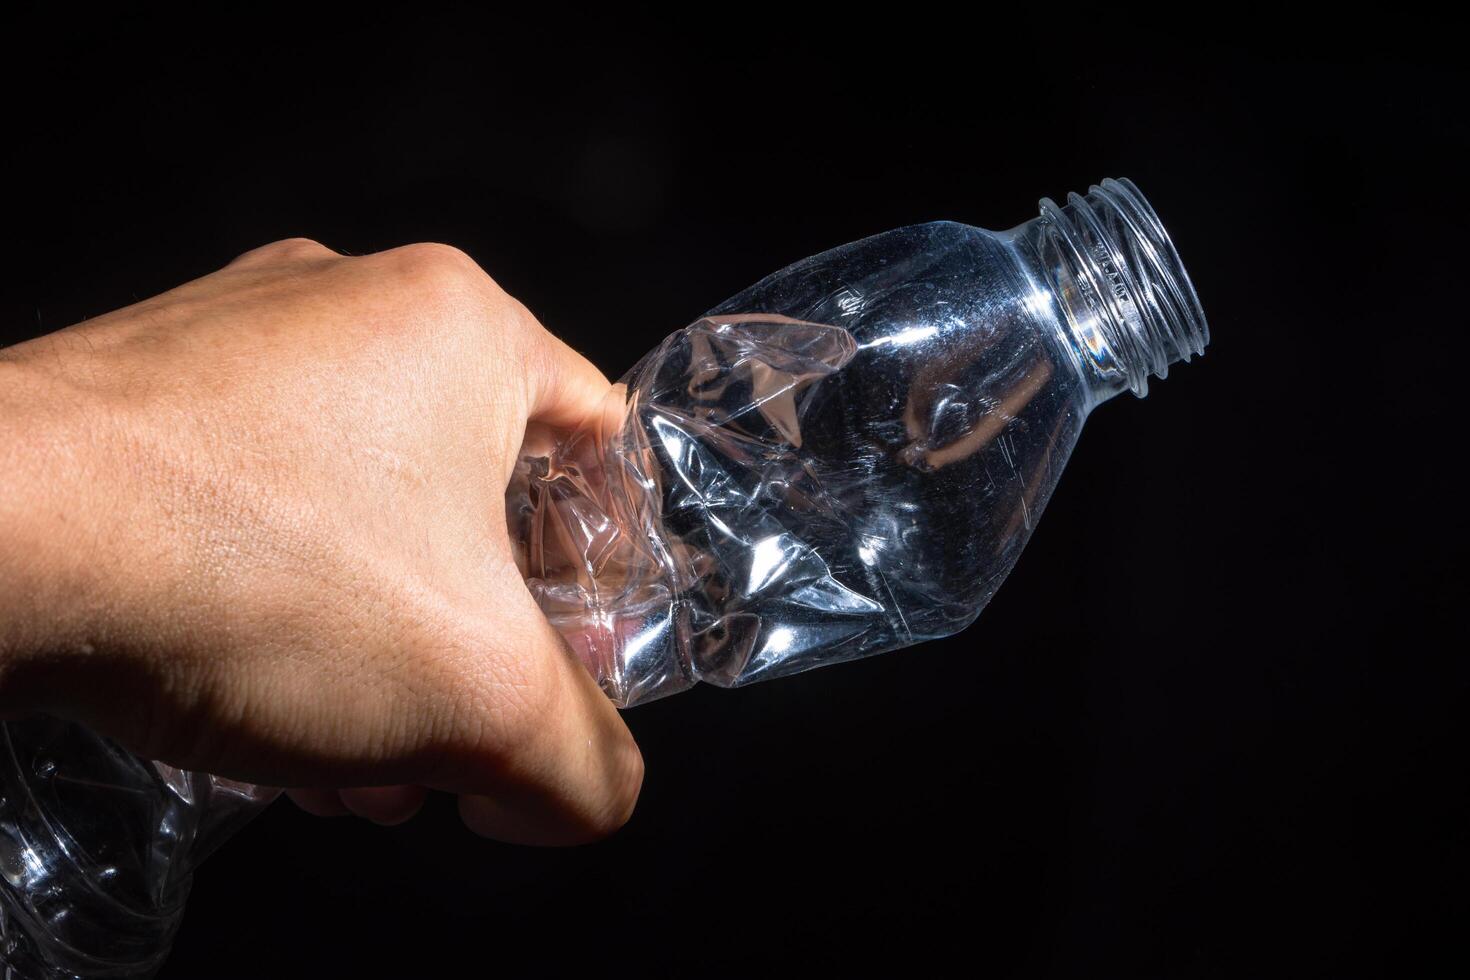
(255, 526)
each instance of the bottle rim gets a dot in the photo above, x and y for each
(1120, 248)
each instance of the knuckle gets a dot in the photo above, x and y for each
(600, 814)
(486, 318)
(625, 784)
(288, 250)
(438, 269)
(301, 246)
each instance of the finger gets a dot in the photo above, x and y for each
(575, 772)
(386, 805)
(566, 389)
(319, 802)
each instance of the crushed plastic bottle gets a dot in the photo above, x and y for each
(98, 849)
(843, 459)
(849, 456)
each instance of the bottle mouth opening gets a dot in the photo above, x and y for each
(1134, 276)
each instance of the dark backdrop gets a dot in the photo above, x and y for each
(1205, 729)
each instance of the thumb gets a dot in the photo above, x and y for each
(564, 389)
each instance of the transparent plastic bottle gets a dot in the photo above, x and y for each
(848, 456)
(98, 849)
(843, 459)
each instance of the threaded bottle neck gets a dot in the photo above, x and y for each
(1128, 301)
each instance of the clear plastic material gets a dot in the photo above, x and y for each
(843, 459)
(849, 456)
(97, 849)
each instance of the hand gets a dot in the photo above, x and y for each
(255, 526)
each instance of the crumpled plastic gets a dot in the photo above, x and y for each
(665, 536)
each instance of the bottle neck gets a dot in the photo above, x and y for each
(1126, 301)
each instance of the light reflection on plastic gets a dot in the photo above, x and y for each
(1038, 303)
(650, 632)
(779, 641)
(912, 335)
(766, 559)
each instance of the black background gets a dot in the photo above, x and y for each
(1208, 728)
